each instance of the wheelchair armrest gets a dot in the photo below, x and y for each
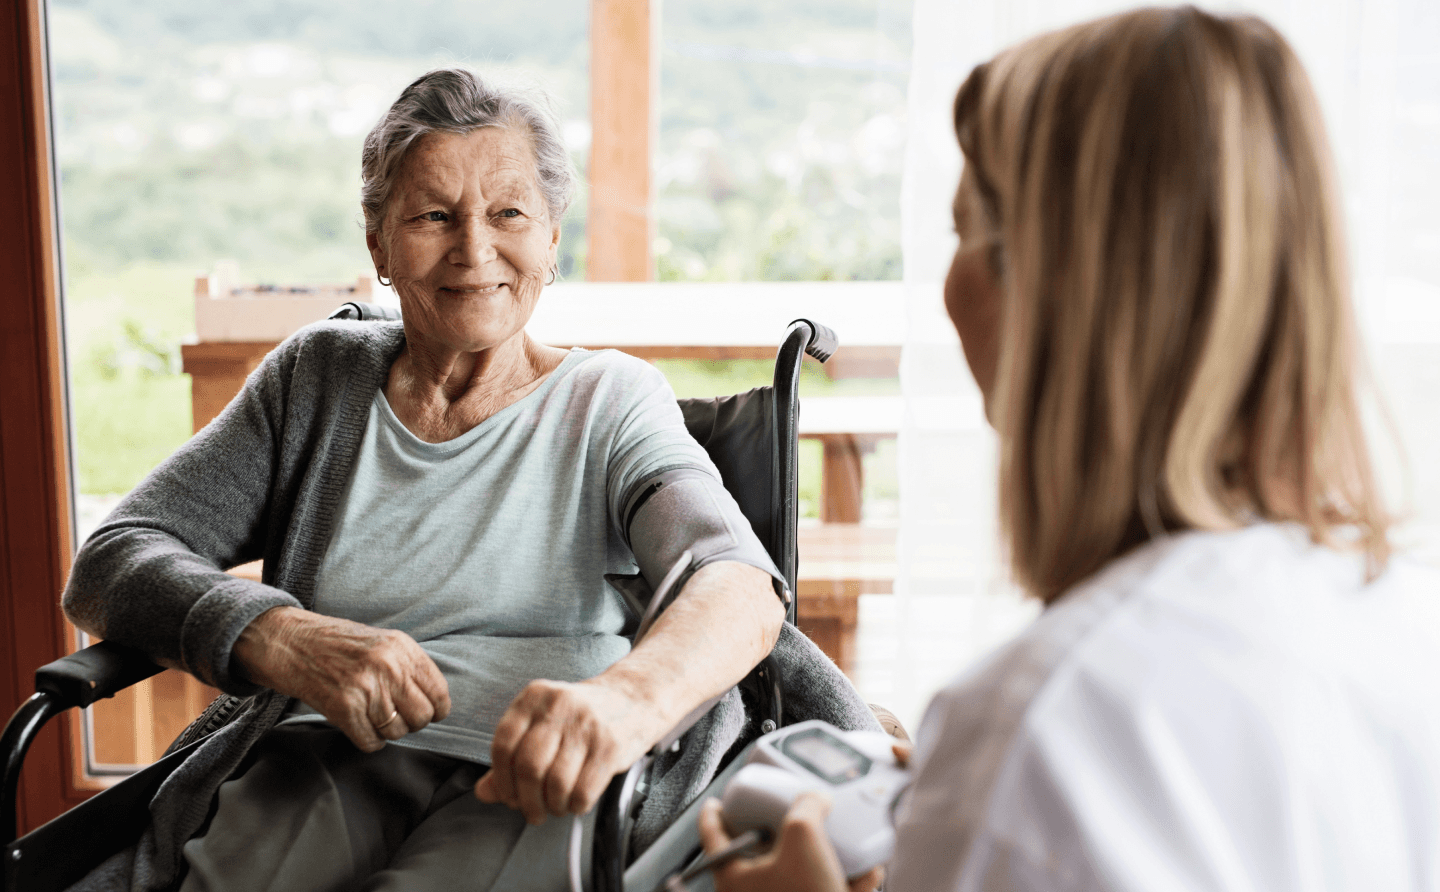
(80, 679)
(93, 674)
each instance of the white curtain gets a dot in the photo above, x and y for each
(1378, 77)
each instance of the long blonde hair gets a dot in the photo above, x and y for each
(1177, 347)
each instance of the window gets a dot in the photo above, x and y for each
(782, 136)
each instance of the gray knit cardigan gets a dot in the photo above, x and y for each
(263, 481)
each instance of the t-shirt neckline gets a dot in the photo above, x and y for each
(455, 444)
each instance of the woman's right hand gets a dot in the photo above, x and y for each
(801, 860)
(355, 675)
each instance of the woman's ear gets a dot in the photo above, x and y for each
(377, 251)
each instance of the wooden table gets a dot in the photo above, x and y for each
(838, 564)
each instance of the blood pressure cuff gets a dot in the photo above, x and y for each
(686, 510)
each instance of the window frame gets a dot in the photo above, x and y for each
(36, 532)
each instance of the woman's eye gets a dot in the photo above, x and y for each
(434, 216)
(510, 212)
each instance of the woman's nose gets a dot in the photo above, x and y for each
(474, 242)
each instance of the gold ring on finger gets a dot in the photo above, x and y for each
(394, 714)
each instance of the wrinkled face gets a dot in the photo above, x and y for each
(972, 295)
(466, 239)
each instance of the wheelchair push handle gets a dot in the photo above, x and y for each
(365, 312)
(822, 342)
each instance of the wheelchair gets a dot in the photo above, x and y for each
(753, 439)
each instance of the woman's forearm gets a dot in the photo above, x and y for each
(723, 623)
(558, 744)
(150, 576)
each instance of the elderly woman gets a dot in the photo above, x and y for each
(1233, 684)
(437, 507)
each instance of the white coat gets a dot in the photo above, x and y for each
(1214, 711)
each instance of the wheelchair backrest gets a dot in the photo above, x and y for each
(738, 432)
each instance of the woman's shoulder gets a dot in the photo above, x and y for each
(616, 364)
(1009, 681)
(342, 337)
(1197, 606)
(1177, 665)
(616, 376)
(327, 352)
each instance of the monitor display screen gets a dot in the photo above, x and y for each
(825, 755)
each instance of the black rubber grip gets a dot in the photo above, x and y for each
(93, 674)
(364, 312)
(823, 342)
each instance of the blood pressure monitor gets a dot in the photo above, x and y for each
(856, 769)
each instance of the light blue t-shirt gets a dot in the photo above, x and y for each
(491, 549)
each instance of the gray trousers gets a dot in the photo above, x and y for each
(308, 812)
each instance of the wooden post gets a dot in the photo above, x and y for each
(217, 372)
(842, 482)
(624, 114)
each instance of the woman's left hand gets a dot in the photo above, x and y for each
(801, 860)
(558, 745)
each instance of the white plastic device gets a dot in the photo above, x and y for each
(856, 769)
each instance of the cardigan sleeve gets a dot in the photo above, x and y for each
(152, 575)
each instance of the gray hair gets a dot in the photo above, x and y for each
(454, 100)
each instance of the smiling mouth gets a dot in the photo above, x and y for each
(473, 289)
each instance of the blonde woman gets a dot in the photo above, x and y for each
(1233, 685)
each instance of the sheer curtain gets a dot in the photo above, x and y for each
(1378, 76)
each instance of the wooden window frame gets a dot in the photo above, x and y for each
(35, 488)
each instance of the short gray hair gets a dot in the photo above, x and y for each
(455, 100)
